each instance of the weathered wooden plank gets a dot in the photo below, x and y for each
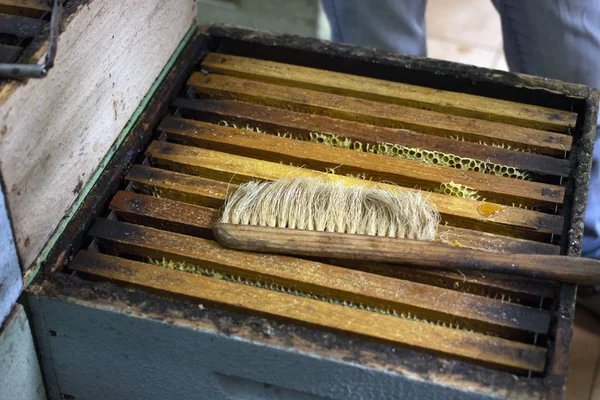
(175, 216)
(391, 92)
(21, 378)
(390, 115)
(463, 237)
(460, 212)
(402, 172)
(8, 53)
(300, 125)
(25, 8)
(49, 153)
(182, 187)
(22, 27)
(358, 287)
(503, 288)
(197, 220)
(374, 326)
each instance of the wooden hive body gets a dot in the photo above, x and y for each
(136, 277)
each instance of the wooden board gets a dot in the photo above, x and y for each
(391, 92)
(375, 326)
(460, 212)
(402, 172)
(167, 214)
(25, 8)
(376, 113)
(358, 287)
(21, 378)
(177, 186)
(22, 27)
(195, 220)
(49, 148)
(498, 287)
(300, 125)
(8, 53)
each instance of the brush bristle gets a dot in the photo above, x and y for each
(313, 204)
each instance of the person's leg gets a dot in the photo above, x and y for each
(559, 39)
(591, 240)
(397, 25)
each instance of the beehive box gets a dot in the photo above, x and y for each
(137, 301)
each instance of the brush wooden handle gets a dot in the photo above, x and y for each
(403, 251)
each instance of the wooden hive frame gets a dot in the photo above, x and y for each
(22, 22)
(24, 30)
(195, 162)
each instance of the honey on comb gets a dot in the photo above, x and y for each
(487, 209)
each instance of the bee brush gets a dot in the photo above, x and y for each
(311, 217)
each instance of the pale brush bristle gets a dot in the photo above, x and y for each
(313, 204)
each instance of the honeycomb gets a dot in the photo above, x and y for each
(407, 153)
(211, 273)
(494, 144)
(414, 154)
(232, 125)
(358, 176)
(457, 190)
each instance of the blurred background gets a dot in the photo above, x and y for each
(465, 31)
(471, 36)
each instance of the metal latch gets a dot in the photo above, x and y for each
(15, 71)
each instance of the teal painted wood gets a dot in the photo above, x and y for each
(20, 376)
(11, 282)
(93, 353)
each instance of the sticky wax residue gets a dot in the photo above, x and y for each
(454, 243)
(487, 210)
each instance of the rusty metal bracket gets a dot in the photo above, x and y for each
(20, 71)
